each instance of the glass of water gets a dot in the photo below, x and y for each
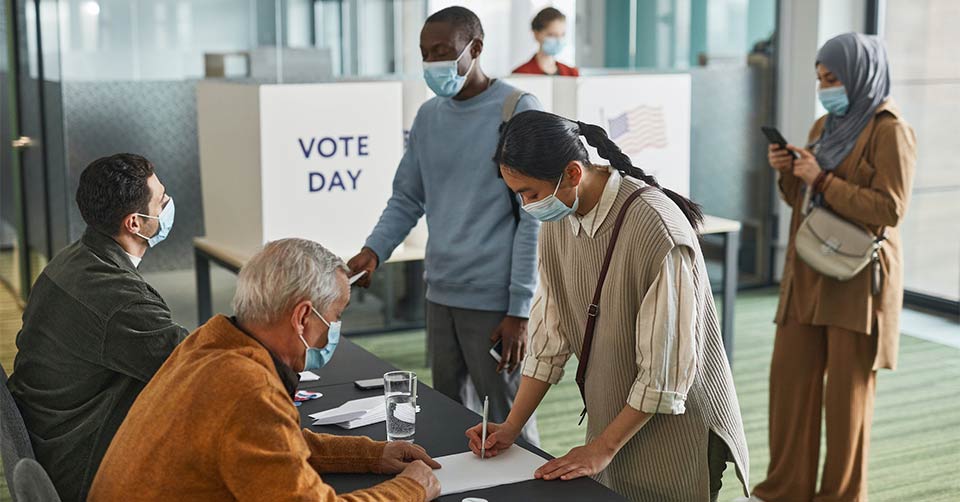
(400, 390)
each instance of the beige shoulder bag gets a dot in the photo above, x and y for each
(834, 246)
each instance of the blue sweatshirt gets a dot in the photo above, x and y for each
(478, 256)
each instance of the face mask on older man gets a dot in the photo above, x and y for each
(315, 358)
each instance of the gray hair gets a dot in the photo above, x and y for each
(282, 274)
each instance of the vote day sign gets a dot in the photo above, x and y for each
(318, 162)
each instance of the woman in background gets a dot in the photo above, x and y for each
(860, 164)
(550, 30)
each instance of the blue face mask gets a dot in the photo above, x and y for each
(550, 208)
(315, 358)
(552, 46)
(166, 223)
(443, 77)
(835, 100)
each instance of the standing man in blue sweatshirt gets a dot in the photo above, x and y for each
(482, 252)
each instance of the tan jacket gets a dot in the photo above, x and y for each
(870, 187)
(216, 423)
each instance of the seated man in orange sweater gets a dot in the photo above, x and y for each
(217, 421)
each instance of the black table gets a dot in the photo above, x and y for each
(441, 424)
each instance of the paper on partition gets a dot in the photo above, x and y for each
(308, 376)
(464, 472)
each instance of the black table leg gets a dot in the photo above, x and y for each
(389, 315)
(731, 249)
(201, 264)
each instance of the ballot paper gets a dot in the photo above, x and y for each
(464, 472)
(308, 376)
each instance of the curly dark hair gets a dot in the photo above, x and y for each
(467, 23)
(113, 187)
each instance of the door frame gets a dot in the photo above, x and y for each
(15, 52)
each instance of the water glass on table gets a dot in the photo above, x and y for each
(400, 390)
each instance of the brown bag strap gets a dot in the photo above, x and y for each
(593, 311)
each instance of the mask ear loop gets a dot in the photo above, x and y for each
(555, 190)
(138, 234)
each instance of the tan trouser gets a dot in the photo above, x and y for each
(801, 356)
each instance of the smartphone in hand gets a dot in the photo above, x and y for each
(496, 352)
(775, 138)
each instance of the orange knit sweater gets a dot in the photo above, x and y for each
(215, 423)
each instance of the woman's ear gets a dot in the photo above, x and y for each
(574, 172)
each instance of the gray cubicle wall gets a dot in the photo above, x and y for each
(155, 119)
(729, 174)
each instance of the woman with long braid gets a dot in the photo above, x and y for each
(623, 286)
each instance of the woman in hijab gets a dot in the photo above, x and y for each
(859, 163)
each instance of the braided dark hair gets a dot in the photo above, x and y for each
(540, 145)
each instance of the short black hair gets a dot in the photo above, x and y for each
(113, 187)
(463, 20)
(545, 17)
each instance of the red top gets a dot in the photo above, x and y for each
(532, 68)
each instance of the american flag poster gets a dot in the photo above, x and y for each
(646, 115)
(637, 129)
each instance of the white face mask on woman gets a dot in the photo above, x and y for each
(550, 208)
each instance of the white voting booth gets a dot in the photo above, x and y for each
(314, 161)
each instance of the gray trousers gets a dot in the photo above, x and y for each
(458, 342)
(718, 454)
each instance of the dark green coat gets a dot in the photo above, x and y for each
(94, 332)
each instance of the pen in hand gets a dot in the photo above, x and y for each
(483, 440)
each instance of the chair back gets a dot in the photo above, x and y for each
(14, 439)
(32, 483)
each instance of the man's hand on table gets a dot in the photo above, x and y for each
(398, 455)
(423, 474)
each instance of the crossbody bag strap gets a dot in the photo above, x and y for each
(506, 113)
(593, 311)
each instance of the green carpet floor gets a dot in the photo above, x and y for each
(915, 454)
(915, 449)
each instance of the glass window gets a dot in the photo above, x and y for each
(922, 39)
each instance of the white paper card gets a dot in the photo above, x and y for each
(464, 472)
(352, 410)
(308, 376)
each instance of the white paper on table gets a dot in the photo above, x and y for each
(352, 410)
(308, 376)
(464, 472)
(368, 419)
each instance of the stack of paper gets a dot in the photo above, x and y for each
(353, 414)
(361, 412)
